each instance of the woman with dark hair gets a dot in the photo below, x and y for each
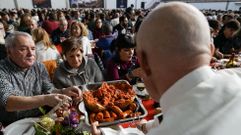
(124, 65)
(216, 26)
(224, 42)
(76, 69)
(24, 23)
(51, 24)
(97, 33)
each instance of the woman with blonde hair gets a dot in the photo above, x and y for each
(78, 30)
(45, 51)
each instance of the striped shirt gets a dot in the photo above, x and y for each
(15, 81)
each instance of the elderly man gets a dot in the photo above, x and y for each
(3, 52)
(195, 100)
(61, 33)
(24, 83)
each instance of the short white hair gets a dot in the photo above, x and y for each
(11, 39)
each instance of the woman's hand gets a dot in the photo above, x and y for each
(137, 72)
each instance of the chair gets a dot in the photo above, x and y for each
(50, 65)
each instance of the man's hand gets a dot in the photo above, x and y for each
(218, 54)
(53, 99)
(73, 92)
(94, 129)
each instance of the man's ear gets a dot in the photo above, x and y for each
(212, 49)
(144, 63)
(8, 51)
(64, 57)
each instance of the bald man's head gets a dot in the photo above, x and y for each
(174, 39)
(174, 27)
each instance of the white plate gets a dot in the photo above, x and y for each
(122, 131)
(21, 127)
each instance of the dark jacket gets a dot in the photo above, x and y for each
(56, 34)
(225, 45)
(3, 52)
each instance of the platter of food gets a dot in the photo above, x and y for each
(111, 103)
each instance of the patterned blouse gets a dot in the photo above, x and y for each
(14, 81)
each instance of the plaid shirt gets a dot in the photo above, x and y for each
(14, 81)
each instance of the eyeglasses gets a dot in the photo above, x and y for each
(63, 24)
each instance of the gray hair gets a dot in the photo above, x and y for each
(11, 39)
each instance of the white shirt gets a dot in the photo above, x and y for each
(45, 54)
(203, 102)
(114, 21)
(86, 45)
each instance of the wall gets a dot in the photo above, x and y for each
(7, 4)
(111, 4)
(217, 5)
(25, 4)
(59, 3)
(29, 4)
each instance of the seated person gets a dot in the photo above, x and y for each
(3, 52)
(61, 33)
(104, 43)
(224, 42)
(79, 31)
(45, 51)
(215, 26)
(124, 27)
(25, 84)
(237, 40)
(76, 69)
(123, 64)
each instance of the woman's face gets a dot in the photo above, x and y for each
(75, 30)
(126, 54)
(98, 23)
(74, 58)
(2, 31)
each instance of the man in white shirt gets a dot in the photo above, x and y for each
(195, 100)
(175, 58)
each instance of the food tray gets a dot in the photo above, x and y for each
(95, 86)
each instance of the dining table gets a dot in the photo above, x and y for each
(151, 106)
(228, 61)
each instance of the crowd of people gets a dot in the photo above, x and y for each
(46, 53)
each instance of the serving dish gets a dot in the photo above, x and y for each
(97, 107)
